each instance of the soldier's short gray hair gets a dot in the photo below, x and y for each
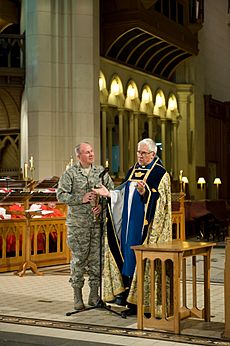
(150, 144)
(77, 149)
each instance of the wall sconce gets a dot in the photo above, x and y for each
(145, 96)
(171, 104)
(217, 182)
(184, 182)
(100, 83)
(131, 92)
(115, 88)
(201, 181)
(159, 101)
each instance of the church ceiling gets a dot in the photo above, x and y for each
(144, 51)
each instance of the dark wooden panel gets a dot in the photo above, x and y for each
(217, 140)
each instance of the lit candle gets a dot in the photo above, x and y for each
(106, 163)
(180, 180)
(71, 161)
(25, 170)
(31, 162)
(67, 167)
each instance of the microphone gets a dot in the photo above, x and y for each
(101, 175)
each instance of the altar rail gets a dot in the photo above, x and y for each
(47, 243)
(12, 237)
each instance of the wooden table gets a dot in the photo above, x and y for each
(174, 252)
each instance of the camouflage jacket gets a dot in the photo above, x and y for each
(73, 185)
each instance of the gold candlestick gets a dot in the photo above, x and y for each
(31, 160)
(180, 180)
(32, 169)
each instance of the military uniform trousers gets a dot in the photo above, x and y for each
(84, 243)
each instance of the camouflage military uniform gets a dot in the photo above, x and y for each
(83, 236)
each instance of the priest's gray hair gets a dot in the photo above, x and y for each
(150, 144)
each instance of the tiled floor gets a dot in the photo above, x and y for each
(49, 297)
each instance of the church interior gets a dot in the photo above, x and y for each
(111, 73)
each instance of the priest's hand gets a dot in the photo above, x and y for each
(102, 191)
(141, 187)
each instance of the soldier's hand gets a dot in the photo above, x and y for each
(96, 210)
(89, 197)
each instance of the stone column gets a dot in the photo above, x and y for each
(175, 149)
(103, 134)
(126, 142)
(136, 136)
(121, 144)
(184, 92)
(160, 113)
(110, 144)
(62, 69)
(163, 140)
(154, 128)
(150, 125)
(131, 138)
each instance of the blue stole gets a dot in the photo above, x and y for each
(132, 227)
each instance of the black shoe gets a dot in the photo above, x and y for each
(147, 314)
(132, 310)
(120, 300)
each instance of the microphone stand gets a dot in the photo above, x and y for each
(100, 304)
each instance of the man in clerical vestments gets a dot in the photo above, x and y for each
(139, 213)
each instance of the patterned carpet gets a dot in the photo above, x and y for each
(156, 335)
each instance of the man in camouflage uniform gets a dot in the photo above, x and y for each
(83, 221)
